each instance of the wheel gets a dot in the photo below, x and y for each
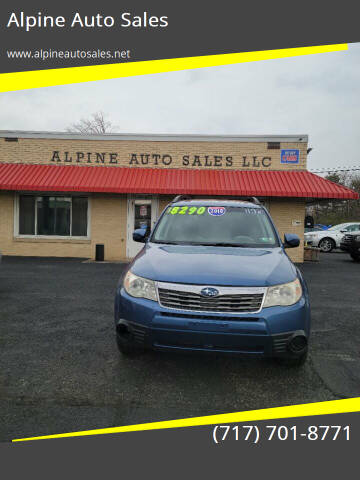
(293, 362)
(327, 244)
(126, 345)
(355, 257)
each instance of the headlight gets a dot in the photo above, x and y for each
(357, 238)
(139, 287)
(285, 294)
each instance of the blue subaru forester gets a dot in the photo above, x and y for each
(214, 276)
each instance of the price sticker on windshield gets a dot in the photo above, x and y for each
(186, 210)
(216, 211)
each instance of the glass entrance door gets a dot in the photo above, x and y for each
(142, 213)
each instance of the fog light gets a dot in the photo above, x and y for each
(297, 344)
(122, 329)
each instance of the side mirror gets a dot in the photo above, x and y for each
(343, 231)
(291, 240)
(140, 235)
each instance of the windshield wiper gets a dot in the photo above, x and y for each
(205, 244)
(166, 243)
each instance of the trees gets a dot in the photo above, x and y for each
(354, 205)
(332, 212)
(94, 125)
(335, 177)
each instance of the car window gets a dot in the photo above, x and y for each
(206, 225)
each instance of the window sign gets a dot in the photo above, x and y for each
(142, 216)
(143, 211)
(291, 156)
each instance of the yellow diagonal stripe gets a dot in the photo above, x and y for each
(304, 410)
(62, 76)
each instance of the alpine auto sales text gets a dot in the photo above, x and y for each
(125, 20)
(155, 159)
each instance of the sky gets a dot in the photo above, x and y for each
(318, 95)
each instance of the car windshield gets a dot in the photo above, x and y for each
(215, 225)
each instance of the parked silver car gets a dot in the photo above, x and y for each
(329, 239)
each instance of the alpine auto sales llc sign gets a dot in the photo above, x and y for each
(162, 160)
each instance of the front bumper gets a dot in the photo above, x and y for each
(345, 247)
(267, 333)
(351, 247)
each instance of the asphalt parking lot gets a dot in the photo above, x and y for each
(60, 369)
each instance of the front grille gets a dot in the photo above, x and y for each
(206, 317)
(347, 239)
(211, 347)
(235, 303)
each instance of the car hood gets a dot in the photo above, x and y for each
(322, 233)
(205, 265)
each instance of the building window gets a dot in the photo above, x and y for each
(47, 215)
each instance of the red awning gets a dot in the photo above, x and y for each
(70, 178)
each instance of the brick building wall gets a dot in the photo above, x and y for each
(108, 226)
(141, 154)
(108, 222)
(108, 213)
(285, 212)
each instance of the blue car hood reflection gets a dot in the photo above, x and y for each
(205, 265)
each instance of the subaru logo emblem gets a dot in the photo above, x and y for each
(209, 292)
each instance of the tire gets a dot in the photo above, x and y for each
(293, 362)
(126, 345)
(326, 245)
(355, 257)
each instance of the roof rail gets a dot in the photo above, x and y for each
(178, 198)
(255, 200)
(252, 199)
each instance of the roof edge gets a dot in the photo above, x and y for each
(70, 178)
(302, 138)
